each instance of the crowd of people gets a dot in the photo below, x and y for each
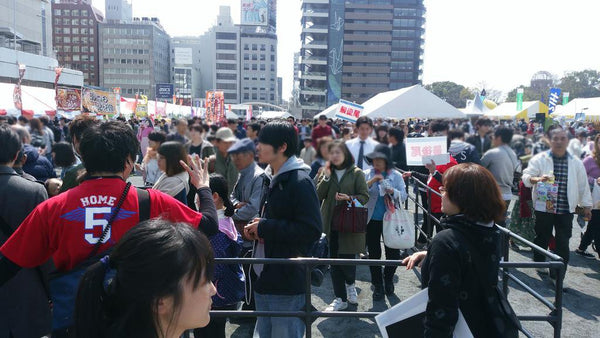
(266, 189)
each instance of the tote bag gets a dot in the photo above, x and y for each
(398, 229)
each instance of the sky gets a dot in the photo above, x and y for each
(500, 43)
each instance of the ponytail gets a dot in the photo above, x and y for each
(90, 316)
(218, 185)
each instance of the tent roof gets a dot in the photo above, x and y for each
(329, 112)
(508, 110)
(274, 115)
(414, 101)
(589, 106)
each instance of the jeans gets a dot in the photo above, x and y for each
(592, 232)
(279, 327)
(340, 274)
(374, 230)
(563, 228)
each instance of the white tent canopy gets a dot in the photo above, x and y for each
(589, 106)
(508, 110)
(329, 112)
(271, 114)
(410, 102)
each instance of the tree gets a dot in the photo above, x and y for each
(448, 91)
(581, 84)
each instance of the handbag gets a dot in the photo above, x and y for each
(64, 285)
(349, 218)
(398, 229)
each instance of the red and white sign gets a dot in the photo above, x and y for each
(348, 111)
(419, 147)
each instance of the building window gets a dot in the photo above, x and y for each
(226, 36)
(254, 47)
(226, 66)
(254, 57)
(84, 12)
(75, 22)
(57, 12)
(75, 12)
(262, 67)
(246, 66)
(254, 67)
(246, 47)
(246, 56)
(67, 12)
(226, 46)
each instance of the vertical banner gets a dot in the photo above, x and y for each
(215, 106)
(57, 71)
(565, 98)
(336, 51)
(141, 108)
(553, 99)
(520, 99)
(117, 92)
(249, 113)
(17, 100)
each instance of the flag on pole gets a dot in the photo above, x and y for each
(520, 92)
(553, 99)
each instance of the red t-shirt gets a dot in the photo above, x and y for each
(436, 201)
(67, 227)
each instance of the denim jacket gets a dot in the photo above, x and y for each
(397, 182)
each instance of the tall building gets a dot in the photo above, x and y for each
(134, 56)
(356, 49)
(259, 51)
(186, 65)
(118, 11)
(26, 24)
(75, 37)
(226, 67)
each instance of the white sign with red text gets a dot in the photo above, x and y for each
(348, 111)
(419, 147)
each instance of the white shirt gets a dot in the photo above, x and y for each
(354, 147)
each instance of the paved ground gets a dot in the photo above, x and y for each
(581, 301)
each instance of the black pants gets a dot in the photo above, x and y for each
(563, 228)
(424, 226)
(374, 231)
(216, 327)
(592, 232)
(340, 274)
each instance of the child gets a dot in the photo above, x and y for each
(228, 278)
(308, 153)
(53, 186)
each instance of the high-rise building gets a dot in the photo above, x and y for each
(226, 47)
(134, 56)
(75, 37)
(118, 11)
(26, 24)
(186, 65)
(355, 49)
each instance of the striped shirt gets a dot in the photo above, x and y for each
(561, 172)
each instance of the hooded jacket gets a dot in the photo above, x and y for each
(290, 226)
(464, 152)
(36, 165)
(452, 280)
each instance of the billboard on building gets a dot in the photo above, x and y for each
(255, 12)
(183, 56)
(164, 91)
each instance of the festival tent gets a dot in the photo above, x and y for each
(36, 101)
(329, 112)
(588, 106)
(508, 111)
(271, 114)
(410, 102)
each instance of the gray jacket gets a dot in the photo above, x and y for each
(249, 189)
(25, 311)
(502, 163)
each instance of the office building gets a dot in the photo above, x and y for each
(186, 65)
(134, 56)
(259, 52)
(75, 37)
(26, 25)
(226, 67)
(356, 49)
(118, 11)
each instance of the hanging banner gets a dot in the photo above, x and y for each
(418, 148)
(553, 99)
(348, 111)
(98, 101)
(68, 99)
(215, 106)
(17, 98)
(565, 98)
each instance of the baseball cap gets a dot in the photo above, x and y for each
(225, 134)
(242, 146)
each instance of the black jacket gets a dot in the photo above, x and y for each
(476, 141)
(453, 282)
(292, 224)
(399, 155)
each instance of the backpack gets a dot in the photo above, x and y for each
(64, 285)
(37, 140)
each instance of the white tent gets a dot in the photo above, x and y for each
(508, 110)
(588, 106)
(271, 114)
(329, 112)
(36, 99)
(404, 103)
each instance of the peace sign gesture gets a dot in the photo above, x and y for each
(198, 171)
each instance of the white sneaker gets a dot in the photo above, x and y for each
(351, 294)
(337, 305)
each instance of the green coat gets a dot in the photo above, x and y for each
(352, 183)
(225, 167)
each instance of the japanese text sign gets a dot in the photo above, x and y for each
(348, 111)
(417, 148)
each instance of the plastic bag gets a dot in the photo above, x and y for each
(398, 229)
(596, 196)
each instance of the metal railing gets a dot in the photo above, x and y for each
(308, 314)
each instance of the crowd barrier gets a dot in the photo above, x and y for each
(309, 313)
